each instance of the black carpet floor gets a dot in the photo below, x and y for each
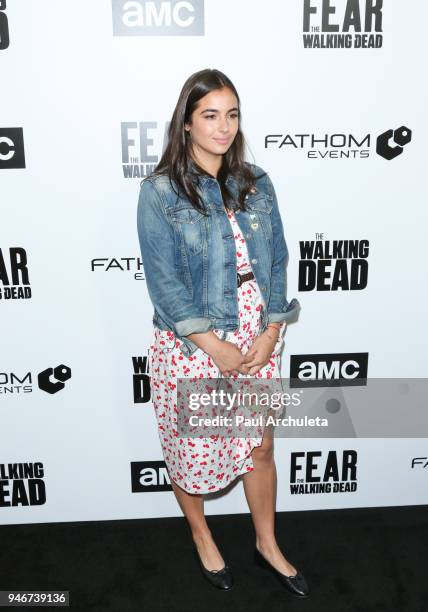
(357, 560)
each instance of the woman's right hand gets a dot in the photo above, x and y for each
(227, 357)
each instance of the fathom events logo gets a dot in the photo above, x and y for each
(50, 380)
(400, 137)
(342, 24)
(389, 144)
(118, 265)
(158, 17)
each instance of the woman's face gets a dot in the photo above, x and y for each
(214, 123)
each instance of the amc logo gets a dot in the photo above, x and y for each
(158, 17)
(328, 370)
(149, 476)
(12, 148)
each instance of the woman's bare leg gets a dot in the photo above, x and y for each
(192, 507)
(260, 491)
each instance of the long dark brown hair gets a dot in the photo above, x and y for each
(177, 161)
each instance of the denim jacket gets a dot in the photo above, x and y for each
(190, 260)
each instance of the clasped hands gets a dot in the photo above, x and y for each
(230, 361)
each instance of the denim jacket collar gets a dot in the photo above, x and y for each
(204, 178)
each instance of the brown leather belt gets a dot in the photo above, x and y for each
(244, 277)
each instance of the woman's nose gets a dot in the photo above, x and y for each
(224, 125)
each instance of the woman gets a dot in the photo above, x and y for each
(215, 260)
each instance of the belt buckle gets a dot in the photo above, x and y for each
(239, 279)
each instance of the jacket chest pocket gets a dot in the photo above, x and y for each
(259, 209)
(190, 225)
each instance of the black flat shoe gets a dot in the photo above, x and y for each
(221, 579)
(295, 584)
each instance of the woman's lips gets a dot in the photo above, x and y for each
(222, 140)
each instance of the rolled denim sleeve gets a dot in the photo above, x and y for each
(169, 295)
(279, 308)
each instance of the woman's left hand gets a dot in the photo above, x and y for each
(259, 354)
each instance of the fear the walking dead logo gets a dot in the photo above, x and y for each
(315, 472)
(14, 278)
(333, 265)
(4, 26)
(138, 140)
(342, 24)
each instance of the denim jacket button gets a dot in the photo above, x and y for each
(254, 261)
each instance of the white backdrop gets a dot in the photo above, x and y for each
(81, 94)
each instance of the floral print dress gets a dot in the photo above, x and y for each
(207, 464)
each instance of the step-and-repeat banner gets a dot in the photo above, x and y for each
(333, 107)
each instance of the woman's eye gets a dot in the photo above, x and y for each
(231, 116)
